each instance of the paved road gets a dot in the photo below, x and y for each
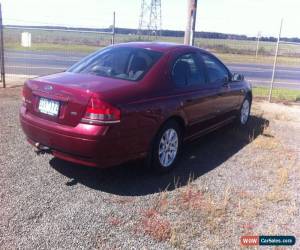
(41, 63)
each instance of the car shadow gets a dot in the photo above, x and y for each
(198, 158)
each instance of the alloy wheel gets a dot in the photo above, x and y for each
(245, 111)
(168, 147)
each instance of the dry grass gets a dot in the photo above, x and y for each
(162, 204)
(277, 192)
(266, 141)
(156, 226)
(282, 117)
(114, 221)
(214, 214)
(279, 111)
(176, 218)
(189, 201)
(293, 209)
(283, 176)
(251, 208)
(190, 198)
(178, 238)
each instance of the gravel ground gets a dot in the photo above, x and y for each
(227, 184)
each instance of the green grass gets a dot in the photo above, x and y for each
(277, 93)
(240, 58)
(54, 47)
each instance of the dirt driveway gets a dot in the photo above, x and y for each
(227, 184)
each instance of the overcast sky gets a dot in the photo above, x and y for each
(228, 16)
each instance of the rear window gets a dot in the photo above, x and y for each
(123, 63)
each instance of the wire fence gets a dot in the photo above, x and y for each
(53, 50)
(50, 50)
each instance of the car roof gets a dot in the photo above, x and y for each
(156, 46)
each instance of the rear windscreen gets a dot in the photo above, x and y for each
(123, 63)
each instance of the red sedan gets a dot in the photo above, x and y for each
(132, 101)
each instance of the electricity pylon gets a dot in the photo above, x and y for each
(150, 18)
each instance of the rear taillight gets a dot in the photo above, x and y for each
(25, 94)
(100, 112)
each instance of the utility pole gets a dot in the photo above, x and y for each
(113, 28)
(257, 43)
(191, 23)
(2, 50)
(275, 61)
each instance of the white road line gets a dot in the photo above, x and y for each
(63, 58)
(276, 82)
(264, 70)
(33, 67)
(20, 76)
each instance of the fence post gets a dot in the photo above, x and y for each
(275, 61)
(113, 28)
(257, 44)
(2, 50)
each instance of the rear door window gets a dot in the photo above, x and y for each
(187, 71)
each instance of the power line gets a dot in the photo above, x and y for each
(28, 22)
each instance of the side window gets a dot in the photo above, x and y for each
(187, 71)
(215, 70)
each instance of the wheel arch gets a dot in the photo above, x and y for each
(249, 94)
(182, 124)
(175, 117)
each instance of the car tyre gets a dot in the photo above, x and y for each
(166, 148)
(244, 112)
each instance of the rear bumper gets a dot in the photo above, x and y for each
(86, 144)
(65, 156)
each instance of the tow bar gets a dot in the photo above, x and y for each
(41, 149)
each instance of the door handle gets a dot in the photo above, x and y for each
(226, 85)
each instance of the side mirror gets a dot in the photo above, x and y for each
(226, 79)
(237, 77)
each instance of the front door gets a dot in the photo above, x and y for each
(228, 97)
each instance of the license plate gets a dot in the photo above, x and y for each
(49, 107)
